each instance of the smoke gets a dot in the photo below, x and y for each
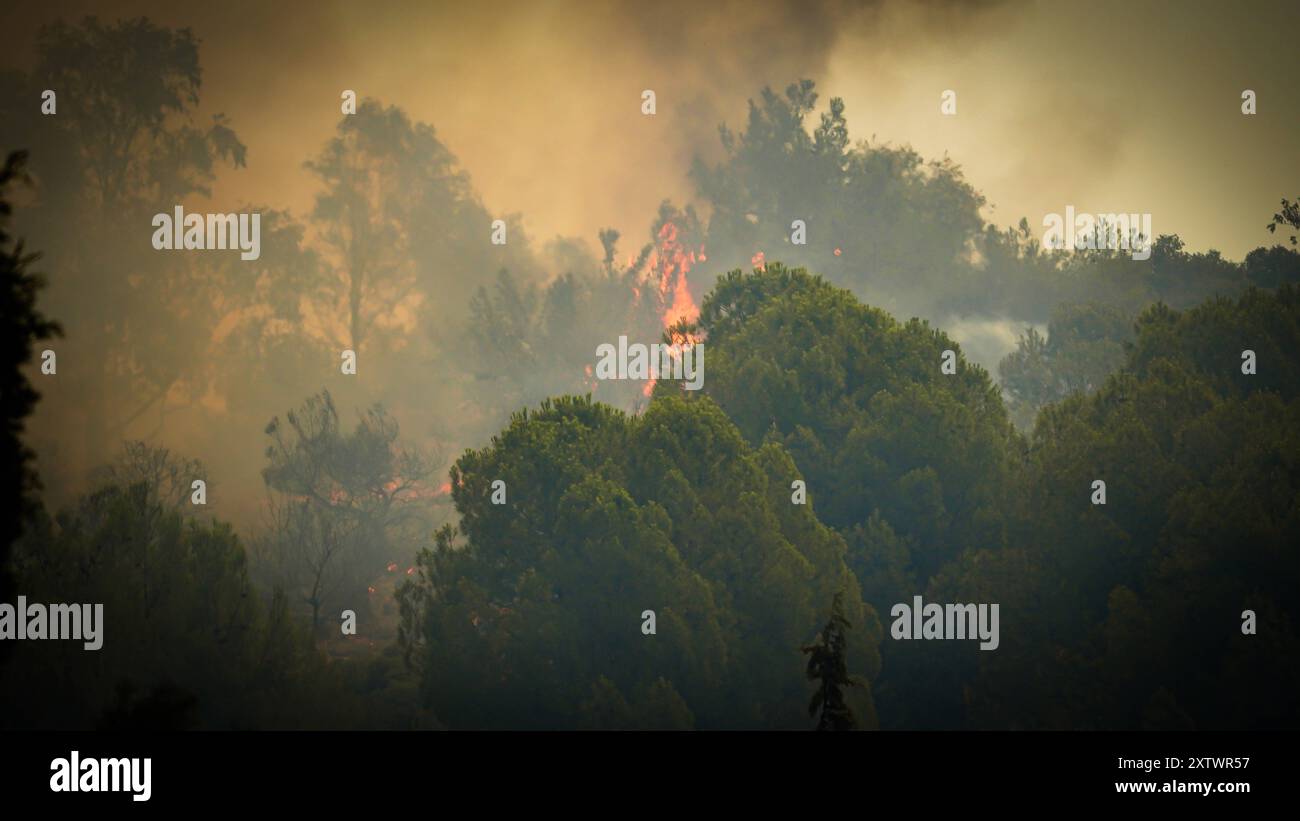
(540, 103)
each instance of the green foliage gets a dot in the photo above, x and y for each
(1288, 217)
(859, 401)
(1131, 609)
(899, 222)
(910, 465)
(187, 641)
(1084, 344)
(610, 515)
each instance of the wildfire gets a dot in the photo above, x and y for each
(670, 263)
(758, 261)
(415, 490)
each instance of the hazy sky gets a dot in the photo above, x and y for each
(1106, 106)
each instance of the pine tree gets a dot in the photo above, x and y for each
(826, 663)
(23, 325)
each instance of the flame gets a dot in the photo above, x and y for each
(392, 566)
(417, 490)
(837, 252)
(758, 261)
(670, 263)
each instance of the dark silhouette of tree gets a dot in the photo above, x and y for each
(23, 324)
(1288, 217)
(828, 666)
(337, 499)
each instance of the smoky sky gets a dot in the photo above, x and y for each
(1106, 106)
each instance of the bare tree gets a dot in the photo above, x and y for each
(339, 503)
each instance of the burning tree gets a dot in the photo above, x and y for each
(339, 503)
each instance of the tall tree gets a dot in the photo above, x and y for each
(828, 667)
(23, 325)
(123, 147)
(402, 227)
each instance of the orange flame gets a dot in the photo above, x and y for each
(674, 262)
(670, 263)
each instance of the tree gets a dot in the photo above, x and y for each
(167, 477)
(402, 228)
(911, 466)
(24, 325)
(187, 641)
(127, 148)
(516, 615)
(530, 342)
(1288, 217)
(860, 402)
(1136, 602)
(1084, 345)
(340, 504)
(880, 219)
(827, 666)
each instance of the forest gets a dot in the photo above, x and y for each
(185, 444)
